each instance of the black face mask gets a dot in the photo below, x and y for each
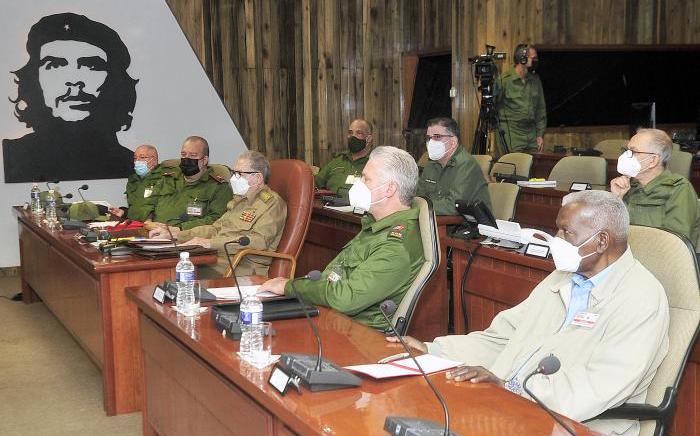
(189, 167)
(356, 144)
(533, 67)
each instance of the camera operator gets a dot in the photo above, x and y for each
(520, 103)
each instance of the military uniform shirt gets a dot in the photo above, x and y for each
(667, 202)
(262, 220)
(521, 109)
(142, 193)
(211, 191)
(461, 179)
(335, 173)
(379, 263)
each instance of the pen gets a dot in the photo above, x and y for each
(394, 357)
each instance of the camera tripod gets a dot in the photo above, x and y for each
(488, 122)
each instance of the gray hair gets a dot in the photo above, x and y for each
(605, 210)
(660, 142)
(399, 167)
(258, 162)
(199, 139)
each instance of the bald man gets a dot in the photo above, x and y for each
(192, 195)
(602, 313)
(143, 187)
(339, 174)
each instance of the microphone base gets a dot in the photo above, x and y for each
(404, 426)
(332, 377)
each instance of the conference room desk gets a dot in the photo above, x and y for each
(537, 208)
(195, 384)
(330, 230)
(500, 279)
(85, 291)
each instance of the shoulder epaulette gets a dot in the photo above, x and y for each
(265, 195)
(218, 179)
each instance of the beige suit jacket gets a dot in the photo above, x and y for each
(604, 366)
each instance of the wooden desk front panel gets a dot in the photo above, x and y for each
(538, 208)
(186, 397)
(70, 293)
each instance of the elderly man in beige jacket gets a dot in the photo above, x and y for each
(601, 313)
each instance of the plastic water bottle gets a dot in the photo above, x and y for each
(51, 217)
(35, 201)
(184, 274)
(250, 314)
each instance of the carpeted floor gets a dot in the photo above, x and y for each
(48, 385)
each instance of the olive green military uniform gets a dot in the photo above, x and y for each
(335, 173)
(142, 193)
(521, 109)
(461, 179)
(262, 220)
(667, 202)
(379, 263)
(187, 205)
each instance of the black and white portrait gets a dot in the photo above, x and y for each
(75, 94)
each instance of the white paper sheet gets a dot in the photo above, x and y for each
(404, 367)
(340, 208)
(231, 293)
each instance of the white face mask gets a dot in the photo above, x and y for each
(360, 195)
(565, 254)
(239, 185)
(436, 149)
(628, 165)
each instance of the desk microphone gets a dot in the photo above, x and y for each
(403, 426)
(83, 188)
(547, 366)
(225, 321)
(316, 373)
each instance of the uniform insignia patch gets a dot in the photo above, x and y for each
(397, 231)
(218, 179)
(333, 277)
(248, 215)
(265, 196)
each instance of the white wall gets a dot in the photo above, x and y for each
(174, 96)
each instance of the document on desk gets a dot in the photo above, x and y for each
(340, 208)
(231, 292)
(404, 367)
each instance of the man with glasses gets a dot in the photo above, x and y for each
(655, 196)
(340, 173)
(452, 173)
(193, 194)
(256, 211)
(143, 187)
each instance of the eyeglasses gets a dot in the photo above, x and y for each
(437, 137)
(629, 152)
(238, 173)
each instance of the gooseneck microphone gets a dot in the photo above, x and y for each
(83, 188)
(242, 241)
(547, 366)
(317, 373)
(398, 425)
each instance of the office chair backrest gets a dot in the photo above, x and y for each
(484, 161)
(588, 169)
(680, 163)
(513, 163)
(431, 254)
(293, 181)
(611, 148)
(504, 197)
(671, 258)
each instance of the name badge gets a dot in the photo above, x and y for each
(585, 319)
(350, 180)
(147, 192)
(194, 210)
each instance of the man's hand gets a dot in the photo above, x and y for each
(474, 374)
(620, 185)
(410, 341)
(162, 232)
(204, 242)
(540, 144)
(116, 212)
(275, 285)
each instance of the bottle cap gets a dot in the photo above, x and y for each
(184, 255)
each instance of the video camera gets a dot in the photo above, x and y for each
(484, 67)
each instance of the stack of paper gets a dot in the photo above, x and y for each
(541, 184)
(404, 367)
